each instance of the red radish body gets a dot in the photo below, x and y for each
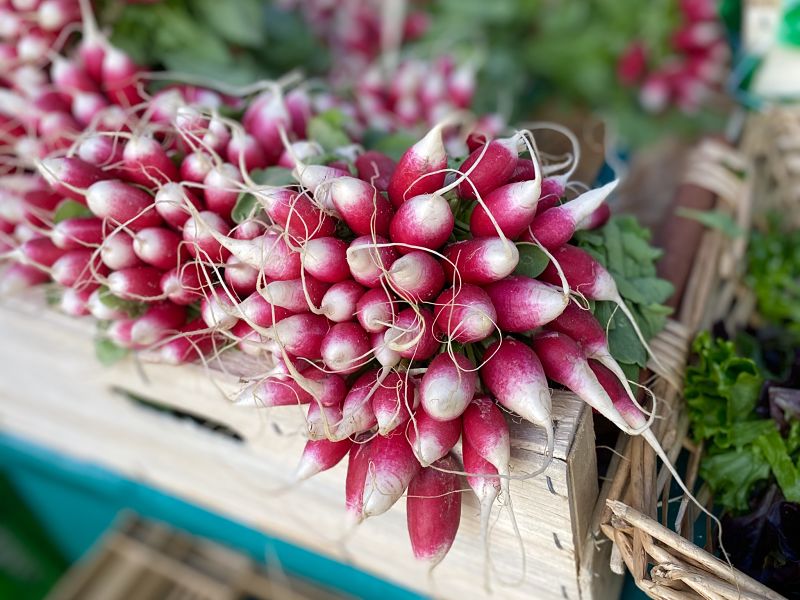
(448, 386)
(39, 252)
(597, 219)
(523, 303)
(513, 206)
(486, 431)
(296, 214)
(241, 278)
(245, 152)
(86, 106)
(376, 168)
(249, 230)
(383, 354)
(368, 263)
(329, 390)
(299, 151)
(296, 295)
(184, 284)
(75, 302)
(583, 273)
(301, 335)
(321, 420)
(136, 283)
(195, 167)
(340, 302)
(273, 391)
(158, 247)
(433, 510)
(122, 204)
(269, 253)
(119, 332)
(513, 374)
(119, 77)
(159, 320)
(357, 414)
(313, 176)
(18, 277)
(193, 342)
(416, 277)
(101, 151)
(218, 309)
(78, 232)
(425, 221)
(222, 186)
(555, 227)
(117, 251)
(414, 173)
(198, 233)
(393, 401)
(524, 170)
(358, 465)
(482, 478)
(71, 176)
(497, 163)
(326, 259)
(77, 268)
(411, 335)
(392, 466)
(170, 201)
(480, 260)
(345, 348)
(620, 397)
(261, 313)
(375, 310)
(321, 455)
(69, 77)
(466, 315)
(264, 119)
(430, 438)
(365, 211)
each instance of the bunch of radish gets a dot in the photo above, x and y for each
(382, 297)
(694, 68)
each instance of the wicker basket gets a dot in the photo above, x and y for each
(665, 564)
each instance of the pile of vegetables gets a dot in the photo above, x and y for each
(406, 303)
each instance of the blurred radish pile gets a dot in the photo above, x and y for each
(695, 66)
(384, 296)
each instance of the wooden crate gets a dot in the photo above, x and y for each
(239, 461)
(149, 561)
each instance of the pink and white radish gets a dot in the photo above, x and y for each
(357, 413)
(326, 259)
(345, 348)
(411, 335)
(340, 302)
(184, 284)
(465, 314)
(512, 207)
(423, 221)
(432, 439)
(241, 278)
(159, 247)
(319, 456)
(159, 320)
(448, 386)
(296, 295)
(122, 204)
(488, 167)
(480, 260)
(392, 466)
(394, 400)
(170, 201)
(416, 277)
(369, 260)
(421, 168)
(78, 232)
(136, 283)
(523, 303)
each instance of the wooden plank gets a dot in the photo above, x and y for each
(54, 393)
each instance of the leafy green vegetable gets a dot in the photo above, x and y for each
(742, 449)
(327, 129)
(69, 209)
(713, 219)
(132, 307)
(623, 247)
(246, 207)
(277, 176)
(108, 352)
(532, 261)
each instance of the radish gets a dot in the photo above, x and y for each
(158, 247)
(512, 206)
(69, 77)
(299, 151)
(313, 176)
(393, 401)
(264, 119)
(245, 152)
(222, 186)
(358, 465)
(357, 414)
(597, 219)
(486, 431)
(301, 335)
(386, 356)
(184, 284)
(18, 277)
(248, 340)
(361, 206)
(38, 252)
(369, 259)
(326, 259)
(489, 167)
(55, 15)
(70, 176)
(524, 170)
(117, 253)
(433, 510)
(513, 374)
(100, 150)
(321, 420)
(119, 332)
(466, 315)
(620, 397)
(588, 277)
(122, 204)
(269, 253)
(136, 283)
(486, 485)
(340, 301)
(296, 214)
(119, 78)
(75, 302)
(241, 278)
(77, 232)
(392, 466)
(432, 439)
(480, 260)
(194, 341)
(421, 168)
(102, 311)
(195, 167)
(170, 201)
(218, 309)
(345, 348)
(296, 295)
(198, 233)
(257, 311)
(328, 389)
(375, 168)
(523, 303)
(411, 335)
(448, 385)
(555, 227)
(424, 220)
(159, 320)
(375, 310)
(319, 456)
(77, 268)
(552, 191)
(249, 230)
(416, 277)
(273, 391)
